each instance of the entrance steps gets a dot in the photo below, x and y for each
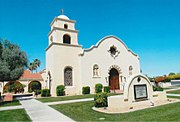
(116, 91)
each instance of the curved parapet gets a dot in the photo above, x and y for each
(105, 38)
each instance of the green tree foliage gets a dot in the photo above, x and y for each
(12, 61)
(34, 65)
(1, 48)
(35, 86)
(31, 66)
(14, 86)
(172, 73)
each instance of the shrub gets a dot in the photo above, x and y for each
(107, 89)
(45, 93)
(86, 90)
(98, 88)
(157, 88)
(167, 80)
(60, 90)
(101, 100)
(37, 92)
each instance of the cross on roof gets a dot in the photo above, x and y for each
(62, 11)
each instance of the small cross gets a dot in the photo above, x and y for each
(62, 11)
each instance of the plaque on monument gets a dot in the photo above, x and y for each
(140, 91)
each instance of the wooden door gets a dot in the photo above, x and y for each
(114, 82)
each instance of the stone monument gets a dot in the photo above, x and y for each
(138, 94)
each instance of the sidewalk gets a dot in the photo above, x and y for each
(69, 101)
(38, 111)
(11, 107)
(177, 95)
(172, 89)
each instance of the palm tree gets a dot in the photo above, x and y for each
(34, 65)
(31, 66)
(37, 63)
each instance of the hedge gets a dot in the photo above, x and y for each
(60, 90)
(107, 89)
(45, 93)
(98, 88)
(86, 90)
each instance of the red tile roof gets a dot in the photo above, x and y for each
(27, 75)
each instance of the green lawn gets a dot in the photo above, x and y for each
(14, 115)
(82, 111)
(13, 103)
(63, 98)
(174, 92)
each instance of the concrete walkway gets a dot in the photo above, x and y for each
(38, 111)
(172, 89)
(69, 101)
(11, 107)
(177, 95)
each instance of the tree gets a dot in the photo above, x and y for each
(35, 86)
(31, 66)
(37, 63)
(12, 61)
(34, 65)
(171, 73)
(1, 48)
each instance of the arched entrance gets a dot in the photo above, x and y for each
(13, 86)
(114, 79)
(34, 85)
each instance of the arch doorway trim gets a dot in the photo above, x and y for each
(114, 79)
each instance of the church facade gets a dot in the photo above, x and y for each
(109, 62)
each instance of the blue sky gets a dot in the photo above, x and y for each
(150, 28)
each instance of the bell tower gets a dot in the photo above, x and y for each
(63, 31)
(62, 55)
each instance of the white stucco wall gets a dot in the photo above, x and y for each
(58, 31)
(60, 23)
(59, 57)
(99, 55)
(57, 36)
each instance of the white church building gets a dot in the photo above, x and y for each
(109, 62)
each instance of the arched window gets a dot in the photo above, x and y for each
(95, 70)
(65, 26)
(130, 70)
(68, 76)
(66, 39)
